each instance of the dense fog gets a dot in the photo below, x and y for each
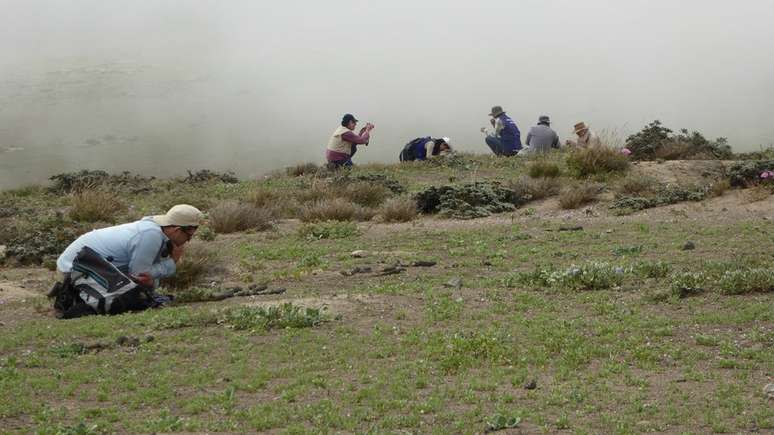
(159, 86)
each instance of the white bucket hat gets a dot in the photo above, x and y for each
(181, 215)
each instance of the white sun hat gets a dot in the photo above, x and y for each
(181, 215)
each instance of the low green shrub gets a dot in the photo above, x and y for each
(665, 195)
(656, 269)
(747, 281)
(655, 141)
(328, 230)
(687, 283)
(282, 316)
(590, 276)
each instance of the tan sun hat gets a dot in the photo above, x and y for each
(181, 215)
(579, 127)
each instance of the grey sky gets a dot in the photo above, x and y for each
(161, 85)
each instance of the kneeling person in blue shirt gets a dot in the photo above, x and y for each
(146, 250)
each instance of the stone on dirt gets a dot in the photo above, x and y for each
(455, 282)
(689, 246)
(359, 253)
(768, 391)
(531, 385)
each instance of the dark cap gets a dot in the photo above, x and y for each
(347, 119)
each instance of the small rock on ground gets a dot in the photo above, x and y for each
(531, 385)
(688, 246)
(768, 391)
(359, 254)
(455, 282)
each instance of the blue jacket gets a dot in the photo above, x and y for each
(510, 136)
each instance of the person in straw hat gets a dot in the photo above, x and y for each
(145, 250)
(506, 140)
(586, 137)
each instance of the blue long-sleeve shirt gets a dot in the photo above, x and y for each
(133, 248)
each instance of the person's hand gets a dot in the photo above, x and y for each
(369, 126)
(492, 121)
(144, 279)
(177, 253)
(483, 130)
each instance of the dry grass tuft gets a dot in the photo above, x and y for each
(94, 205)
(336, 209)
(535, 188)
(401, 209)
(365, 194)
(197, 261)
(638, 185)
(318, 191)
(232, 216)
(543, 169)
(719, 188)
(303, 169)
(263, 197)
(596, 160)
(578, 196)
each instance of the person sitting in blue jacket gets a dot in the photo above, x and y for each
(423, 148)
(506, 139)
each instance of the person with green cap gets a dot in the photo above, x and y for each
(344, 141)
(506, 139)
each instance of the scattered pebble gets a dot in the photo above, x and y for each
(571, 228)
(455, 282)
(359, 254)
(768, 391)
(3, 251)
(531, 385)
(689, 246)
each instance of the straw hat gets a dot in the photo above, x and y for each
(181, 215)
(580, 127)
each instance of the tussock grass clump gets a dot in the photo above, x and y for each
(336, 209)
(198, 259)
(535, 188)
(719, 187)
(365, 194)
(596, 160)
(543, 168)
(94, 205)
(303, 169)
(263, 197)
(233, 216)
(399, 210)
(577, 196)
(638, 185)
(317, 192)
(589, 276)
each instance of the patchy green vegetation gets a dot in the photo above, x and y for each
(535, 318)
